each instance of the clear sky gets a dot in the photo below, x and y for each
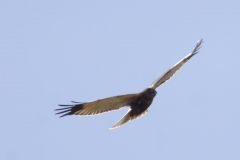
(52, 52)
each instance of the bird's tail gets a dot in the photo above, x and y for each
(127, 117)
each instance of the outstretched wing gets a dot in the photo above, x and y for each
(127, 117)
(167, 75)
(98, 106)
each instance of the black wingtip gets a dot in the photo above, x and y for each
(76, 102)
(197, 47)
(69, 110)
(64, 115)
(62, 108)
(64, 105)
(66, 108)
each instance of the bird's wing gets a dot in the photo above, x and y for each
(127, 117)
(167, 75)
(98, 106)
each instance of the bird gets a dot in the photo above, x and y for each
(138, 103)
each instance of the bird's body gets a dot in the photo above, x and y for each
(142, 101)
(138, 102)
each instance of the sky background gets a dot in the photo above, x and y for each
(52, 52)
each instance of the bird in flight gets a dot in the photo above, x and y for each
(138, 102)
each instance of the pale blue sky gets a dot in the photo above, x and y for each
(52, 52)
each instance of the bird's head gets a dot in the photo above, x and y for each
(149, 92)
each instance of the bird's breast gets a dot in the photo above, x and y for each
(140, 104)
